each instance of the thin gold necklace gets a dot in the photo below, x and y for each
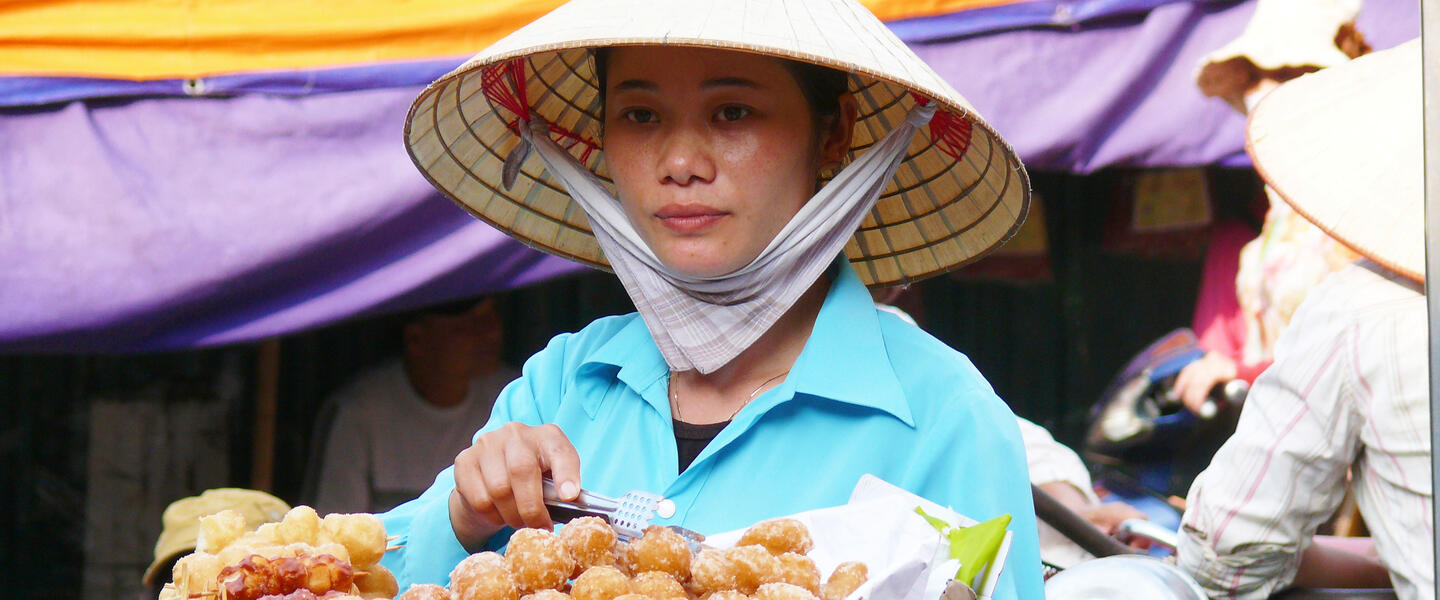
(675, 395)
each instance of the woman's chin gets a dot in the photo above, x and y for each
(701, 268)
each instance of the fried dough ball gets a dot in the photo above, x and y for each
(219, 530)
(547, 595)
(483, 576)
(779, 536)
(600, 583)
(658, 586)
(622, 558)
(361, 533)
(426, 591)
(538, 560)
(660, 549)
(796, 569)
(590, 541)
(845, 579)
(377, 582)
(783, 591)
(754, 566)
(712, 571)
(727, 595)
(267, 534)
(632, 597)
(334, 549)
(301, 524)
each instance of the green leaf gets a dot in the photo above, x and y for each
(974, 546)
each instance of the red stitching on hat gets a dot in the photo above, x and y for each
(951, 132)
(501, 84)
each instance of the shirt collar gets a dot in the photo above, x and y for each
(830, 366)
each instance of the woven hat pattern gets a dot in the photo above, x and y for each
(960, 192)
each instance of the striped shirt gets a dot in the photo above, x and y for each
(1348, 392)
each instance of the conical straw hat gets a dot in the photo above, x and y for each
(960, 192)
(1344, 147)
(1282, 40)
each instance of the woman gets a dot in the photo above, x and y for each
(757, 378)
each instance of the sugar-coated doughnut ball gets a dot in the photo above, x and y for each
(426, 591)
(483, 576)
(658, 586)
(197, 572)
(796, 569)
(846, 578)
(712, 571)
(779, 536)
(783, 591)
(538, 559)
(590, 541)
(660, 549)
(600, 583)
(631, 597)
(727, 595)
(754, 566)
(547, 595)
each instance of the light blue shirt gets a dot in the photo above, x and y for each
(869, 393)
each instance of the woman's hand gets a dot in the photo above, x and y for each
(1195, 381)
(497, 480)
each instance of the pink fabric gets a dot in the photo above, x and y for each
(1218, 322)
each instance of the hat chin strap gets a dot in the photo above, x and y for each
(702, 323)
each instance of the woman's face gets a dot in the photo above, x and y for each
(712, 152)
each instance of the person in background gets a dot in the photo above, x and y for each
(1348, 393)
(1252, 285)
(386, 433)
(181, 522)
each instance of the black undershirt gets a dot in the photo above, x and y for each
(690, 440)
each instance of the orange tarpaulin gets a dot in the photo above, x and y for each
(168, 39)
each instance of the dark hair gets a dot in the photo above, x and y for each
(822, 87)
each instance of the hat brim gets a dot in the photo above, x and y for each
(1344, 147)
(957, 194)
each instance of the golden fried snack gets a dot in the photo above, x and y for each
(600, 583)
(783, 591)
(590, 541)
(660, 549)
(538, 559)
(198, 572)
(622, 558)
(334, 549)
(219, 530)
(778, 536)
(361, 533)
(796, 569)
(657, 585)
(267, 534)
(426, 591)
(754, 566)
(300, 525)
(845, 579)
(483, 576)
(631, 597)
(547, 595)
(376, 581)
(712, 571)
(727, 595)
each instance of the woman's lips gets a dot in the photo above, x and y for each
(689, 218)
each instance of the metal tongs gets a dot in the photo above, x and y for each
(628, 515)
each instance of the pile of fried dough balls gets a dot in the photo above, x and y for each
(302, 557)
(585, 562)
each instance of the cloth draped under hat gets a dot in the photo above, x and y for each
(958, 190)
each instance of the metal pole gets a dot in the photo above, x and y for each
(1430, 58)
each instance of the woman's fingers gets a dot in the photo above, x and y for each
(560, 460)
(523, 466)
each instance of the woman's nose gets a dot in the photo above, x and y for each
(686, 158)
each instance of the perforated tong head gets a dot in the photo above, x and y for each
(628, 515)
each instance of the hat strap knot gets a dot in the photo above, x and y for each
(950, 131)
(504, 85)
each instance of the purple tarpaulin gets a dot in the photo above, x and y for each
(153, 224)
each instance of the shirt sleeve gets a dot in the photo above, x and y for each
(422, 526)
(1050, 461)
(1252, 512)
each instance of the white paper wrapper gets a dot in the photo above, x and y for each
(906, 557)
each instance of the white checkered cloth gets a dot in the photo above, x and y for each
(702, 323)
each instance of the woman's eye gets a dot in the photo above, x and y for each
(732, 113)
(639, 115)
